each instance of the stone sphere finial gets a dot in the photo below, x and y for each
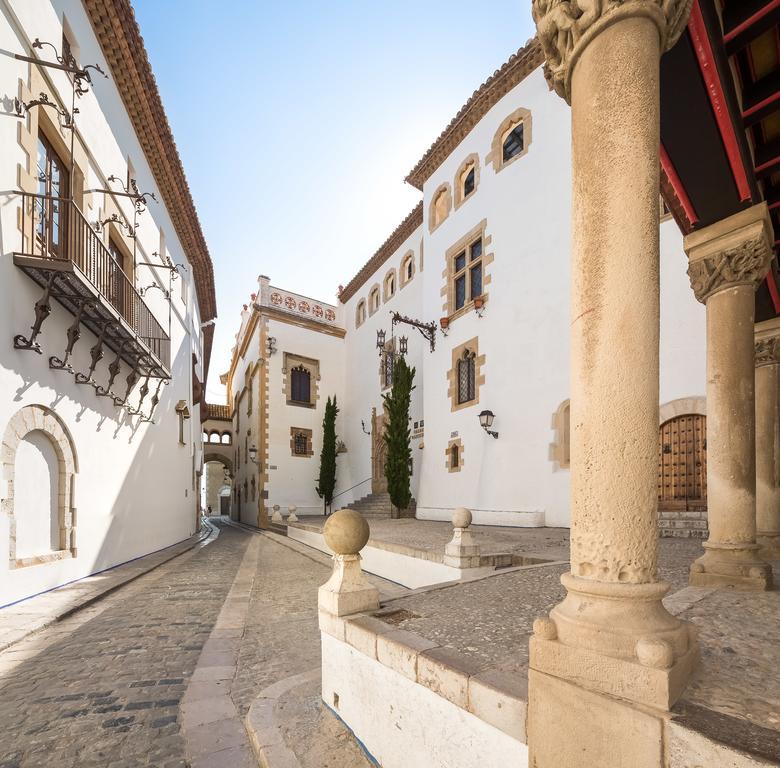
(461, 518)
(346, 532)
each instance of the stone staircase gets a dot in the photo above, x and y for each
(680, 523)
(378, 505)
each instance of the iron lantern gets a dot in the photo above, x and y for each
(380, 339)
(486, 422)
(403, 343)
(253, 453)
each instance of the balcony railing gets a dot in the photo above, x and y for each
(56, 236)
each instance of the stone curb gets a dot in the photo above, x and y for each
(58, 615)
(265, 731)
(499, 698)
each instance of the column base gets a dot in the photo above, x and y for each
(616, 639)
(731, 565)
(571, 726)
(768, 545)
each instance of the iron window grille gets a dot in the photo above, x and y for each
(300, 444)
(467, 376)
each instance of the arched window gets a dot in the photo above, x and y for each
(373, 300)
(467, 389)
(407, 268)
(389, 285)
(214, 437)
(454, 457)
(513, 143)
(466, 179)
(441, 202)
(225, 438)
(562, 425)
(301, 385)
(360, 313)
(205, 437)
(511, 140)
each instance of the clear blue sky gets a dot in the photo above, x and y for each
(298, 121)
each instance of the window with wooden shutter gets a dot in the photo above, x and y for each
(301, 385)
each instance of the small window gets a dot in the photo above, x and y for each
(467, 378)
(301, 385)
(513, 143)
(225, 438)
(205, 437)
(409, 268)
(468, 182)
(373, 300)
(454, 457)
(300, 444)
(360, 313)
(440, 205)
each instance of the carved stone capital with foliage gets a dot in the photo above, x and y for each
(768, 351)
(566, 27)
(744, 264)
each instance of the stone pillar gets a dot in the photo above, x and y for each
(610, 660)
(462, 551)
(768, 439)
(291, 516)
(727, 261)
(347, 591)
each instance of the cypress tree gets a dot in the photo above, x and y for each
(398, 436)
(327, 480)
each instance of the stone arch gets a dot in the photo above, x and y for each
(681, 406)
(440, 206)
(495, 156)
(471, 163)
(389, 285)
(219, 458)
(32, 418)
(407, 270)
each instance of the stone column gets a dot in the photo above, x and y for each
(727, 261)
(462, 551)
(768, 439)
(610, 645)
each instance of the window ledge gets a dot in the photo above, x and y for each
(49, 557)
(301, 404)
(465, 309)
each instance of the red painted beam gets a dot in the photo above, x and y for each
(677, 186)
(751, 20)
(709, 71)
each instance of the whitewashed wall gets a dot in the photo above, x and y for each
(363, 387)
(135, 488)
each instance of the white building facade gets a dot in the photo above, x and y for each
(484, 258)
(106, 300)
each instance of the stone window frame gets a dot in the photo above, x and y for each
(39, 418)
(448, 273)
(407, 259)
(496, 155)
(360, 313)
(291, 361)
(457, 444)
(309, 442)
(469, 358)
(560, 450)
(472, 345)
(249, 393)
(389, 292)
(374, 291)
(434, 222)
(471, 161)
(391, 347)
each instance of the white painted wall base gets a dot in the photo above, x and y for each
(403, 569)
(383, 710)
(504, 517)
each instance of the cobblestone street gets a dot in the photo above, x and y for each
(103, 687)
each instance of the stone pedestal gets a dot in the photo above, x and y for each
(291, 516)
(727, 261)
(610, 660)
(347, 590)
(462, 551)
(276, 517)
(767, 350)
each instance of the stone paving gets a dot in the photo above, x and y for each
(122, 683)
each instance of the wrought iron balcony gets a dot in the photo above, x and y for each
(63, 254)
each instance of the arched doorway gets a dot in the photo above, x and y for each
(682, 463)
(217, 484)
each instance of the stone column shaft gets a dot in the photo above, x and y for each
(768, 439)
(727, 261)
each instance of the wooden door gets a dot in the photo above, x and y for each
(682, 463)
(378, 453)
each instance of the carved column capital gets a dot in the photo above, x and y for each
(566, 27)
(731, 252)
(767, 351)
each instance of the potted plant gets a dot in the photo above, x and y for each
(444, 322)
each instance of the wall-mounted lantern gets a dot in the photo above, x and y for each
(486, 422)
(403, 345)
(380, 340)
(253, 453)
(271, 345)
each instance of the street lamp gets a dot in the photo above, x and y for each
(380, 340)
(253, 453)
(486, 422)
(404, 345)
